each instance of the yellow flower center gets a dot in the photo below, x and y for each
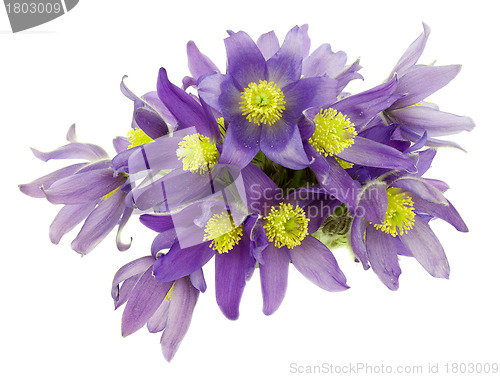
(400, 215)
(333, 132)
(137, 137)
(263, 103)
(197, 153)
(344, 164)
(223, 232)
(286, 225)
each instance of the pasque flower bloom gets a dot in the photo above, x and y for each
(416, 82)
(392, 218)
(90, 191)
(163, 306)
(261, 100)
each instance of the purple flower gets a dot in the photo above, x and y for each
(261, 100)
(331, 138)
(416, 82)
(392, 218)
(281, 231)
(90, 191)
(163, 306)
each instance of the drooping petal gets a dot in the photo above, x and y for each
(273, 277)
(445, 212)
(120, 244)
(84, 187)
(373, 202)
(182, 262)
(138, 266)
(421, 81)
(198, 63)
(257, 236)
(34, 190)
(426, 248)
(163, 241)
(348, 74)
(383, 256)
(420, 187)
(67, 218)
(358, 229)
(361, 108)
(147, 296)
(151, 123)
(371, 153)
(120, 144)
(317, 263)
(198, 280)
(245, 62)
(268, 44)
(435, 122)
(180, 313)
(83, 151)
(99, 223)
(158, 320)
(157, 222)
(183, 107)
(230, 273)
(282, 143)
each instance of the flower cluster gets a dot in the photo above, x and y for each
(268, 165)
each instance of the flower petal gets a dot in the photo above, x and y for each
(421, 81)
(421, 187)
(445, 212)
(241, 143)
(245, 62)
(358, 229)
(282, 143)
(198, 280)
(324, 61)
(151, 123)
(371, 153)
(198, 63)
(317, 263)
(84, 187)
(268, 44)
(67, 218)
(435, 122)
(180, 313)
(273, 277)
(99, 223)
(286, 65)
(147, 296)
(383, 257)
(136, 267)
(230, 271)
(426, 248)
(373, 202)
(309, 92)
(182, 262)
(34, 189)
(412, 54)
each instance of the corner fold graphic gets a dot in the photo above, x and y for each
(25, 15)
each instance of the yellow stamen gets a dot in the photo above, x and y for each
(137, 137)
(109, 194)
(344, 164)
(197, 153)
(400, 215)
(263, 103)
(168, 297)
(286, 225)
(222, 127)
(333, 132)
(223, 232)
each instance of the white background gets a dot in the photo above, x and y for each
(56, 312)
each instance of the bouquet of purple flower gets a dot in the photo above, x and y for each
(267, 165)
